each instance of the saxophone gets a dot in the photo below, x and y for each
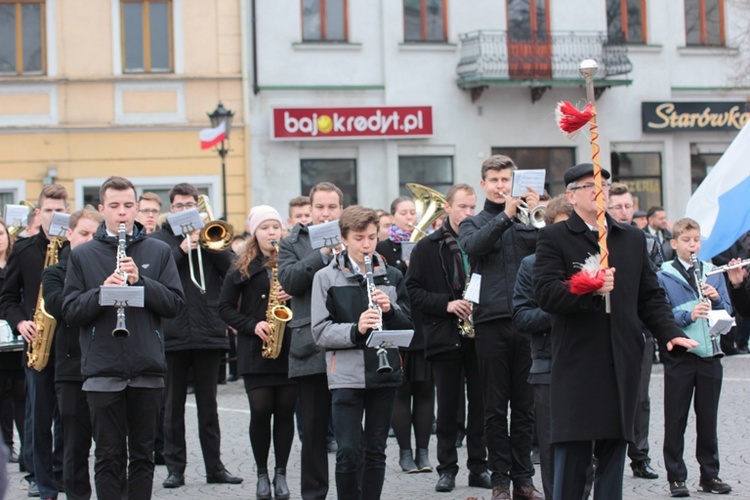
(39, 348)
(466, 325)
(277, 315)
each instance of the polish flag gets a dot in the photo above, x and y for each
(213, 136)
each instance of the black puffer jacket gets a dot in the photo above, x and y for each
(66, 347)
(142, 352)
(251, 294)
(495, 245)
(198, 324)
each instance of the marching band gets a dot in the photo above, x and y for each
(488, 296)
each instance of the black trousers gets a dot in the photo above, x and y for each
(117, 418)
(572, 469)
(315, 409)
(542, 416)
(683, 376)
(638, 450)
(504, 361)
(12, 408)
(44, 413)
(447, 374)
(205, 365)
(76, 428)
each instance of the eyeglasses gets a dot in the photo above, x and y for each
(182, 206)
(589, 186)
(149, 211)
(627, 206)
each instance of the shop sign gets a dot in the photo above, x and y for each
(351, 123)
(693, 116)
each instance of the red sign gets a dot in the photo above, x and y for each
(351, 123)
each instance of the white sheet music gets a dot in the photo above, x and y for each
(522, 178)
(394, 338)
(16, 215)
(475, 285)
(59, 225)
(121, 296)
(327, 234)
(185, 222)
(719, 321)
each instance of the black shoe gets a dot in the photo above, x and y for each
(232, 378)
(678, 489)
(263, 490)
(480, 480)
(159, 458)
(174, 480)
(715, 485)
(422, 460)
(742, 350)
(446, 483)
(280, 488)
(223, 477)
(406, 461)
(643, 470)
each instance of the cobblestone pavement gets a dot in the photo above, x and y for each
(734, 442)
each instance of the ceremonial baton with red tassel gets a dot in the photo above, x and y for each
(570, 121)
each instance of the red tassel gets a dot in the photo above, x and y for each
(583, 282)
(569, 119)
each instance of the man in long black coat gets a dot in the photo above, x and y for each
(596, 357)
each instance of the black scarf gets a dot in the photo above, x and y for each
(459, 273)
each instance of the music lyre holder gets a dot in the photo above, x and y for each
(382, 340)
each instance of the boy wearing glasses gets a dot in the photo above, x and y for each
(149, 208)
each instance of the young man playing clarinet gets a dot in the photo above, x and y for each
(123, 375)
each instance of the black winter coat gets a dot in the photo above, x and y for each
(142, 352)
(530, 319)
(198, 324)
(66, 347)
(391, 252)
(10, 360)
(252, 296)
(429, 282)
(596, 357)
(495, 245)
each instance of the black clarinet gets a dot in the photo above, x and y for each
(383, 365)
(715, 345)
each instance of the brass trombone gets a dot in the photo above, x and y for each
(216, 236)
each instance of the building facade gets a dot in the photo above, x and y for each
(119, 87)
(324, 77)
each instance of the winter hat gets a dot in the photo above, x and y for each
(260, 214)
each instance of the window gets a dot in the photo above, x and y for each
(435, 172)
(22, 37)
(642, 173)
(626, 21)
(146, 27)
(554, 160)
(704, 22)
(324, 21)
(425, 21)
(343, 173)
(700, 165)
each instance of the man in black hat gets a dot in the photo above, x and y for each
(596, 356)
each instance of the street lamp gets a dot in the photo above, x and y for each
(218, 116)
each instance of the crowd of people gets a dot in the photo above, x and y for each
(503, 352)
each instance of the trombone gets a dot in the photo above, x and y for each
(216, 236)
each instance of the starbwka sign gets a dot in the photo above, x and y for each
(693, 116)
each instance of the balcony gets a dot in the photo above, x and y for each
(538, 60)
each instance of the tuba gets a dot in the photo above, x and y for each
(38, 351)
(430, 204)
(277, 315)
(216, 236)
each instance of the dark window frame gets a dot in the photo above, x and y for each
(324, 24)
(437, 186)
(423, 38)
(349, 189)
(19, 36)
(146, 21)
(632, 179)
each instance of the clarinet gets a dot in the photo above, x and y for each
(121, 330)
(715, 345)
(383, 365)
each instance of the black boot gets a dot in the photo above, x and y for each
(263, 490)
(406, 461)
(423, 460)
(280, 489)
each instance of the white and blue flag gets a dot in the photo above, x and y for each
(721, 204)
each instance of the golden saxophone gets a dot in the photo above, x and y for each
(277, 315)
(39, 349)
(466, 325)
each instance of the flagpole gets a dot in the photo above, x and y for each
(222, 150)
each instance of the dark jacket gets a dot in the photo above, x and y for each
(66, 348)
(495, 245)
(531, 320)
(197, 325)
(596, 357)
(142, 352)
(251, 294)
(11, 360)
(659, 253)
(391, 252)
(740, 298)
(298, 263)
(339, 299)
(429, 282)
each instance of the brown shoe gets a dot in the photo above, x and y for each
(526, 492)
(501, 493)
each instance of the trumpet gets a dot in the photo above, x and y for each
(529, 216)
(121, 330)
(728, 267)
(216, 236)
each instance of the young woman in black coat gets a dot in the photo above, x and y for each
(415, 398)
(243, 305)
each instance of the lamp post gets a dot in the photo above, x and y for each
(218, 116)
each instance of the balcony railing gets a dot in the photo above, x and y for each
(544, 57)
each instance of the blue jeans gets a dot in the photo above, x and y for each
(348, 407)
